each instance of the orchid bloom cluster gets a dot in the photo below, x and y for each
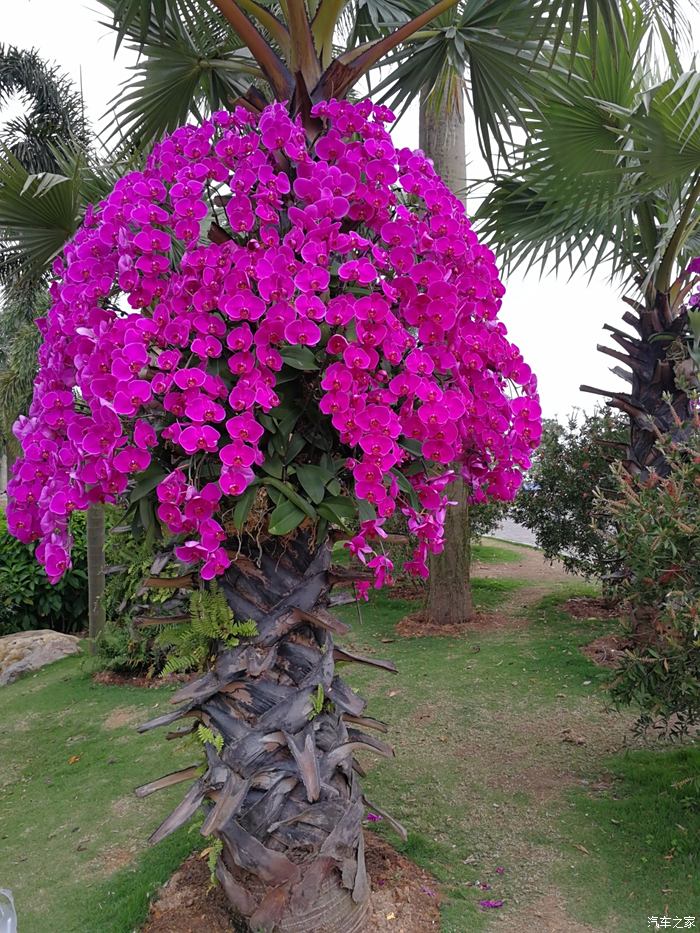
(693, 269)
(173, 306)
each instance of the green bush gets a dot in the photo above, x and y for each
(121, 647)
(125, 650)
(128, 560)
(558, 500)
(28, 600)
(658, 537)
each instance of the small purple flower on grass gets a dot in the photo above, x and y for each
(500, 870)
(487, 905)
(373, 818)
(484, 886)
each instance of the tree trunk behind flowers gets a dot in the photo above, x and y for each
(95, 536)
(449, 600)
(441, 136)
(282, 795)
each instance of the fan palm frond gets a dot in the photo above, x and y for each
(190, 64)
(608, 172)
(38, 213)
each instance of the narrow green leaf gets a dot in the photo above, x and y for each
(285, 518)
(290, 494)
(243, 506)
(147, 482)
(337, 509)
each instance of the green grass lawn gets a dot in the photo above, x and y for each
(488, 774)
(488, 553)
(69, 760)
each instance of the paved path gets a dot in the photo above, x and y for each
(511, 531)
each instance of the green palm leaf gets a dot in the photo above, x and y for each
(38, 213)
(663, 131)
(191, 63)
(509, 54)
(52, 110)
(608, 172)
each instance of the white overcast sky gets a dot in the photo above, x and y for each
(556, 322)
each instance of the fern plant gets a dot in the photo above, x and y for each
(190, 646)
(212, 853)
(317, 701)
(208, 736)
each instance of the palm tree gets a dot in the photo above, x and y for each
(609, 176)
(194, 59)
(53, 110)
(261, 696)
(455, 58)
(284, 786)
(52, 113)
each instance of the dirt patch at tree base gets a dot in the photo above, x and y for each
(607, 651)
(404, 899)
(592, 607)
(419, 625)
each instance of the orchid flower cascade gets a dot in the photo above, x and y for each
(244, 252)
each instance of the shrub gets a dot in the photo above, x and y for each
(128, 560)
(125, 650)
(28, 600)
(122, 647)
(173, 648)
(558, 500)
(658, 536)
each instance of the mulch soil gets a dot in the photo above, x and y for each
(607, 651)
(404, 899)
(591, 607)
(418, 625)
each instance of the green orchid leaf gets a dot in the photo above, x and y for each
(285, 518)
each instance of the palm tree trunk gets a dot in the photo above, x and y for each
(283, 794)
(449, 599)
(441, 136)
(95, 534)
(657, 402)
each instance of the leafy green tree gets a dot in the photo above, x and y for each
(609, 177)
(558, 503)
(658, 536)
